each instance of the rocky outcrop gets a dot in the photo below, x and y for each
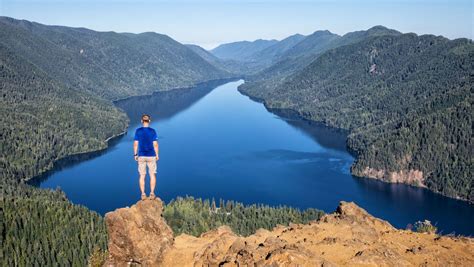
(411, 177)
(348, 237)
(138, 235)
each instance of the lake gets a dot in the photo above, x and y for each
(216, 142)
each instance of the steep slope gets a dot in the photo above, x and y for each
(277, 50)
(42, 120)
(302, 54)
(208, 56)
(42, 228)
(357, 36)
(406, 100)
(350, 236)
(241, 51)
(232, 66)
(107, 64)
(312, 44)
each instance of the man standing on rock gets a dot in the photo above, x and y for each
(145, 149)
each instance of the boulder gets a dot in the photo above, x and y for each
(138, 234)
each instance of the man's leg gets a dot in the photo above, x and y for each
(142, 172)
(152, 171)
(152, 182)
(142, 183)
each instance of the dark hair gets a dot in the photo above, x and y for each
(146, 118)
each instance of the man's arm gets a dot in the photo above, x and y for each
(155, 145)
(135, 149)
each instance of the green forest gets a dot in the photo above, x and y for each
(42, 228)
(57, 85)
(196, 216)
(406, 100)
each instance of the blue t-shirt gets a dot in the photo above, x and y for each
(145, 137)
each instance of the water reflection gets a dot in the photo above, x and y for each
(326, 136)
(164, 105)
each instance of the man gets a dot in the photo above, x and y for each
(145, 149)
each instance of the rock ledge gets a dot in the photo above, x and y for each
(348, 237)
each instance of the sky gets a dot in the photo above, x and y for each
(209, 23)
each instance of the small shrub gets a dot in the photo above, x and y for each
(425, 227)
(97, 258)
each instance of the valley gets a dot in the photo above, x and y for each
(376, 116)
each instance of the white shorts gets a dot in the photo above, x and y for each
(143, 162)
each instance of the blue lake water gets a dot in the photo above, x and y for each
(216, 142)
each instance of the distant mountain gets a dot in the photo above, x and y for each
(275, 51)
(302, 54)
(208, 56)
(248, 58)
(312, 44)
(241, 51)
(232, 66)
(107, 64)
(406, 100)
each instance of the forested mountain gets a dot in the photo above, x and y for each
(312, 44)
(43, 120)
(305, 52)
(405, 98)
(279, 58)
(277, 50)
(241, 51)
(247, 58)
(108, 64)
(232, 66)
(42, 228)
(57, 83)
(56, 86)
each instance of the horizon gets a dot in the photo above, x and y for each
(195, 22)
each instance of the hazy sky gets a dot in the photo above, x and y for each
(211, 22)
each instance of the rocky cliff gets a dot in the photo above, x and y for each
(411, 177)
(349, 237)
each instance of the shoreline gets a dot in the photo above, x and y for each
(72, 159)
(223, 80)
(69, 160)
(297, 115)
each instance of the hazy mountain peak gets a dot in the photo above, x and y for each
(322, 32)
(241, 50)
(379, 30)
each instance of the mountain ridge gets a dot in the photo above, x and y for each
(412, 77)
(241, 50)
(132, 64)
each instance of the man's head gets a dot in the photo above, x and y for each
(146, 118)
